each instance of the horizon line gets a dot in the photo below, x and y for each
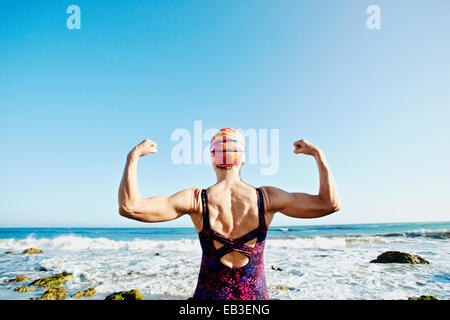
(192, 227)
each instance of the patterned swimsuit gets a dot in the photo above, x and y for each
(219, 282)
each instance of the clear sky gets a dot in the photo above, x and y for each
(74, 102)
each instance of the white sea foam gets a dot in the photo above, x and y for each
(77, 243)
(315, 267)
(71, 242)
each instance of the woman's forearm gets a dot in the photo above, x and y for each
(327, 190)
(128, 190)
(130, 201)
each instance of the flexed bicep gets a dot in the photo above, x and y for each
(153, 209)
(165, 208)
(296, 204)
(303, 205)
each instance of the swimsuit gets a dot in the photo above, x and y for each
(219, 282)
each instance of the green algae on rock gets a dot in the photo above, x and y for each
(24, 289)
(54, 281)
(54, 294)
(125, 295)
(423, 298)
(32, 251)
(87, 293)
(77, 295)
(19, 279)
(90, 292)
(399, 257)
(281, 287)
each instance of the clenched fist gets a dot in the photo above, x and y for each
(305, 147)
(144, 148)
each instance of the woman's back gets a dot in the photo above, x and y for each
(232, 237)
(233, 212)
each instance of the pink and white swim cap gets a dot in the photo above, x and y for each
(227, 148)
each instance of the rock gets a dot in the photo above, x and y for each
(19, 279)
(32, 251)
(54, 294)
(24, 289)
(277, 268)
(54, 281)
(90, 292)
(423, 298)
(399, 257)
(125, 295)
(41, 269)
(281, 287)
(9, 252)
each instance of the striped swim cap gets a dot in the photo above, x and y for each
(227, 148)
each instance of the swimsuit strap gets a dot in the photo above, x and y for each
(206, 225)
(261, 211)
(234, 247)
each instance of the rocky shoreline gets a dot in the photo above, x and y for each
(54, 284)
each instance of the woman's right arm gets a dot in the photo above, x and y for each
(157, 208)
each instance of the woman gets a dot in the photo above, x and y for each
(230, 217)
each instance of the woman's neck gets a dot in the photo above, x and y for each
(228, 175)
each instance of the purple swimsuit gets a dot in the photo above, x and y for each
(219, 282)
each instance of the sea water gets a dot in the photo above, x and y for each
(301, 262)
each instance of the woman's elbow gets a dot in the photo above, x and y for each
(330, 207)
(125, 210)
(333, 207)
(124, 213)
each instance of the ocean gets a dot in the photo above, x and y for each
(301, 262)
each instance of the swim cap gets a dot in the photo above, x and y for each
(227, 148)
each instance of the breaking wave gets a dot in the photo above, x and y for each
(74, 242)
(443, 234)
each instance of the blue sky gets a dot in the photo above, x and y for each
(74, 102)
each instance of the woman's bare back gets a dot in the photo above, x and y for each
(233, 212)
